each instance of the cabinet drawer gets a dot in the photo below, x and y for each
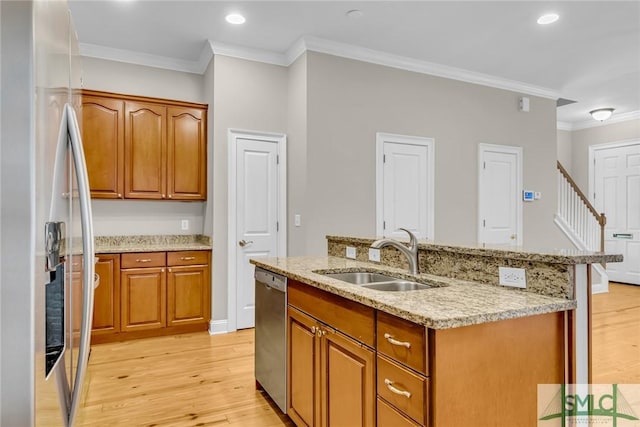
(143, 259)
(388, 416)
(349, 317)
(188, 258)
(403, 389)
(403, 341)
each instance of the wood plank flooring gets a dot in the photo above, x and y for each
(201, 380)
(616, 335)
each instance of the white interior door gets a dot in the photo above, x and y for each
(405, 178)
(617, 194)
(500, 187)
(256, 217)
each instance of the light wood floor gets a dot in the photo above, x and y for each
(201, 380)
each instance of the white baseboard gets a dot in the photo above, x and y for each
(600, 288)
(218, 327)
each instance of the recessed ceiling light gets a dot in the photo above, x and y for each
(548, 18)
(235, 19)
(354, 14)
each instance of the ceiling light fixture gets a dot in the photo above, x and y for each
(235, 19)
(601, 114)
(548, 18)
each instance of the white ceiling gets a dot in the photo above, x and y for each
(590, 55)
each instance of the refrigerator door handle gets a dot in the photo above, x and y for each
(88, 253)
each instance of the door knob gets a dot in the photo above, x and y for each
(244, 243)
(513, 237)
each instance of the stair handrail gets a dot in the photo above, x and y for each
(600, 217)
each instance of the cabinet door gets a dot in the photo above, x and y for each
(106, 305)
(188, 295)
(303, 400)
(145, 153)
(348, 375)
(186, 153)
(143, 298)
(103, 143)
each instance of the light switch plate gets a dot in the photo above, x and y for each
(351, 252)
(515, 277)
(374, 254)
(296, 220)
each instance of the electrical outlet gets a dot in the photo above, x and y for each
(351, 252)
(184, 224)
(515, 277)
(374, 254)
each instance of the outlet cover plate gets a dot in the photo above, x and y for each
(515, 277)
(351, 252)
(374, 254)
(184, 224)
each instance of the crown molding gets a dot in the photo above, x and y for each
(586, 124)
(250, 54)
(410, 64)
(564, 126)
(139, 58)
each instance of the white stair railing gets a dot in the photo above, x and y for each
(578, 213)
(580, 221)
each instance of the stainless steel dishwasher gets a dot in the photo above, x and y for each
(271, 335)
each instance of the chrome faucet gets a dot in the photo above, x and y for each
(410, 252)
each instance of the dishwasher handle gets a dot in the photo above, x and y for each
(272, 280)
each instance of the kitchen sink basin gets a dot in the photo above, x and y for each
(360, 277)
(377, 281)
(396, 286)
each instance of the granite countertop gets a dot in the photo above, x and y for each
(155, 243)
(451, 303)
(554, 256)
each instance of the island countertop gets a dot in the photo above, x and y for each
(450, 303)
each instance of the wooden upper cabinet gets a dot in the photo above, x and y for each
(145, 156)
(186, 154)
(144, 148)
(103, 143)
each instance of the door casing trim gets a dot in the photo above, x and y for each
(281, 140)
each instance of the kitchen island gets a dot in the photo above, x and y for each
(459, 353)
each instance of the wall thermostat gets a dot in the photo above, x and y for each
(527, 196)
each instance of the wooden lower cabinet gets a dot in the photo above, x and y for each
(144, 302)
(188, 290)
(478, 375)
(106, 302)
(331, 376)
(151, 294)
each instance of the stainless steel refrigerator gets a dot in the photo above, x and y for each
(47, 254)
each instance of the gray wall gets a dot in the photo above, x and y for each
(581, 140)
(565, 151)
(249, 96)
(297, 156)
(117, 217)
(349, 101)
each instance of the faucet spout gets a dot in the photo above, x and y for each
(411, 252)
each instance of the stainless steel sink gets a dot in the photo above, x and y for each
(360, 277)
(397, 286)
(377, 281)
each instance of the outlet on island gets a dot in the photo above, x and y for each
(515, 277)
(374, 254)
(351, 252)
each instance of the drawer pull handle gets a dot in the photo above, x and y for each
(393, 341)
(313, 330)
(187, 258)
(395, 390)
(143, 260)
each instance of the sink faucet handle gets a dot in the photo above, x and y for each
(413, 243)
